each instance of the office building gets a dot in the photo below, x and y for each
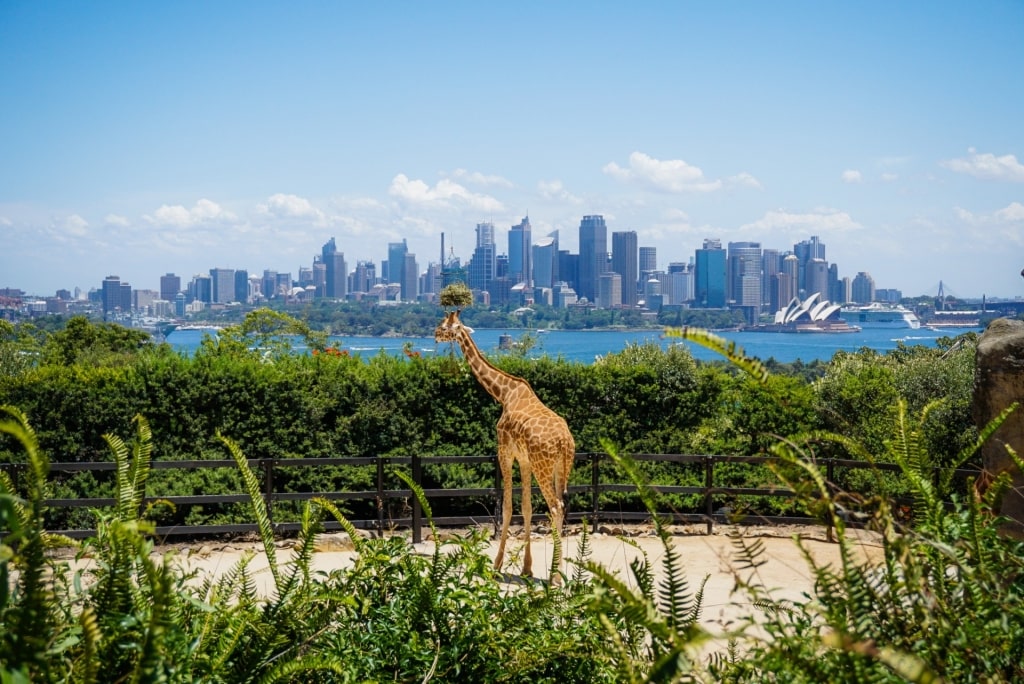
(170, 285)
(520, 255)
(593, 256)
(863, 288)
(483, 264)
(648, 261)
(709, 276)
(545, 262)
(117, 296)
(222, 282)
(268, 284)
(392, 269)
(609, 291)
(242, 293)
(409, 279)
(771, 263)
(335, 271)
(743, 287)
(816, 278)
(625, 262)
(805, 251)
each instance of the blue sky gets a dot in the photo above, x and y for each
(144, 138)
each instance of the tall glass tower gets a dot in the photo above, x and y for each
(625, 262)
(520, 259)
(483, 263)
(593, 255)
(709, 276)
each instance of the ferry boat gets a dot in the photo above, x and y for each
(878, 315)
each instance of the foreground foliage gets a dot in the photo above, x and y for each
(945, 602)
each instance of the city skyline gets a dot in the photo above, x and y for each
(891, 132)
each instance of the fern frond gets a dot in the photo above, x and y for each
(259, 508)
(302, 558)
(346, 524)
(294, 670)
(733, 353)
(584, 553)
(34, 617)
(91, 639)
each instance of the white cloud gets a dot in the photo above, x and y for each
(75, 225)
(852, 176)
(4, 221)
(283, 205)
(672, 175)
(818, 221)
(478, 178)
(555, 190)
(889, 177)
(177, 216)
(445, 193)
(116, 220)
(1012, 213)
(997, 229)
(745, 179)
(987, 166)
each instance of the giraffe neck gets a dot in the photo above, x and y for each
(498, 383)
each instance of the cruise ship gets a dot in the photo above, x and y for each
(877, 315)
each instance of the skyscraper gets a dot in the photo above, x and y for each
(744, 278)
(770, 265)
(519, 253)
(863, 288)
(791, 267)
(223, 285)
(483, 263)
(816, 278)
(625, 262)
(805, 251)
(336, 271)
(609, 291)
(545, 261)
(648, 261)
(410, 277)
(709, 276)
(170, 285)
(593, 255)
(396, 261)
(241, 286)
(114, 299)
(269, 283)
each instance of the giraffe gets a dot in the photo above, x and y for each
(528, 433)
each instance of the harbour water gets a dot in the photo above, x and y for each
(586, 346)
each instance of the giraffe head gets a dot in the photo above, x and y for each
(448, 329)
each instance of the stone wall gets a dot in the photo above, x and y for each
(998, 383)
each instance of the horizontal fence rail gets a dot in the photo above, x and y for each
(381, 495)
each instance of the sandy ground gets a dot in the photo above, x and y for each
(785, 572)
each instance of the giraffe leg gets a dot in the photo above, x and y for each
(554, 501)
(505, 464)
(526, 475)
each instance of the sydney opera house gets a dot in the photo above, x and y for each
(811, 315)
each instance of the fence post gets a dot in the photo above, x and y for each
(830, 478)
(709, 483)
(268, 486)
(380, 495)
(595, 483)
(417, 511)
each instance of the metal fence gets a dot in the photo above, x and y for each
(385, 493)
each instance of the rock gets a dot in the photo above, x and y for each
(998, 382)
(326, 543)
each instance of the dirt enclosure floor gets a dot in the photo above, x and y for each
(785, 573)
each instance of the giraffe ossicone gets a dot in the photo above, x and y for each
(529, 433)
